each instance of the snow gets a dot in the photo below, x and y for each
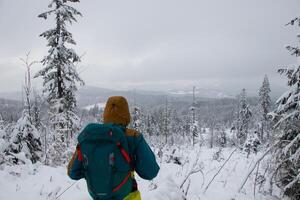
(3, 145)
(30, 182)
(99, 105)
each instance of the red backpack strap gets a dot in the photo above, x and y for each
(79, 153)
(124, 153)
(123, 182)
(126, 156)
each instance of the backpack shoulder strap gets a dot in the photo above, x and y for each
(79, 153)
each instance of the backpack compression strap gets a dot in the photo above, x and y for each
(128, 160)
(123, 182)
(124, 153)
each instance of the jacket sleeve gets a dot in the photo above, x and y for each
(145, 163)
(75, 167)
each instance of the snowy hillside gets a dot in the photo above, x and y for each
(40, 182)
(180, 86)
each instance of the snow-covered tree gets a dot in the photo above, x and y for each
(137, 123)
(245, 114)
(176, 127)
(60, 77)
(252, 143)
(36, 110)
(287, 119)
(2, 139)
(96, 113)
(264, 97)
(265, 105)
(24, 140)
(3, 142)
(194, 126)
(1, 124)
(149, 127)
(166, 121)
(221, 136)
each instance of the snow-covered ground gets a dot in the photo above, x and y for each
(40, 182)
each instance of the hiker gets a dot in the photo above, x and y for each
(108, 154)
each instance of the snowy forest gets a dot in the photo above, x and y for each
(240, 147)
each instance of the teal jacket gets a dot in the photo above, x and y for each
(144, 161)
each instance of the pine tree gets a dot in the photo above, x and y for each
(252, 143)
(25, 138)
(176, 127)
(1, 124)
(137, 119)
(287, 118)
(221, 136)
(3, 142)
(194, 126)
(36, 111)
(245, 114)
(149, 126)
(95, 112)
(264, 97)
(265, 105)
(166, 121)
(59, 74)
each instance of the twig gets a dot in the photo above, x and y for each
(219, 170)
(187, 188)
(195, 169)
(65, 190)
(189, 174)
(261, 183)
(251, 170)
(255, 179)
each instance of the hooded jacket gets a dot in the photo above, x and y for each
(117, 112)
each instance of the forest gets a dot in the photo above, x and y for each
(235, 147)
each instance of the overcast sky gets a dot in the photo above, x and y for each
(159, 44)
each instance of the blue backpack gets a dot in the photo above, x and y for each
(103, 149)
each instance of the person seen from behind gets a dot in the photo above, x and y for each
(108, 154)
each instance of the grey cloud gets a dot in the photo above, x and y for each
(163, 44)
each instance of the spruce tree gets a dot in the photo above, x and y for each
(287, 118)
(264, 97)
(24, 142)
(137, 119)
(193, 125)
(194, 128)
(1, 124)
(24, 139)
(60, 77)
(166, 114)
(245, 114)
(3, 142)
(36, 111)
(265, 105)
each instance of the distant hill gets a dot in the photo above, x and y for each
(90, 95)
(14, 95)
(202, 93)
(10, 110)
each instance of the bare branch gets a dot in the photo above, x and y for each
(219, 170)
(256, 163)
